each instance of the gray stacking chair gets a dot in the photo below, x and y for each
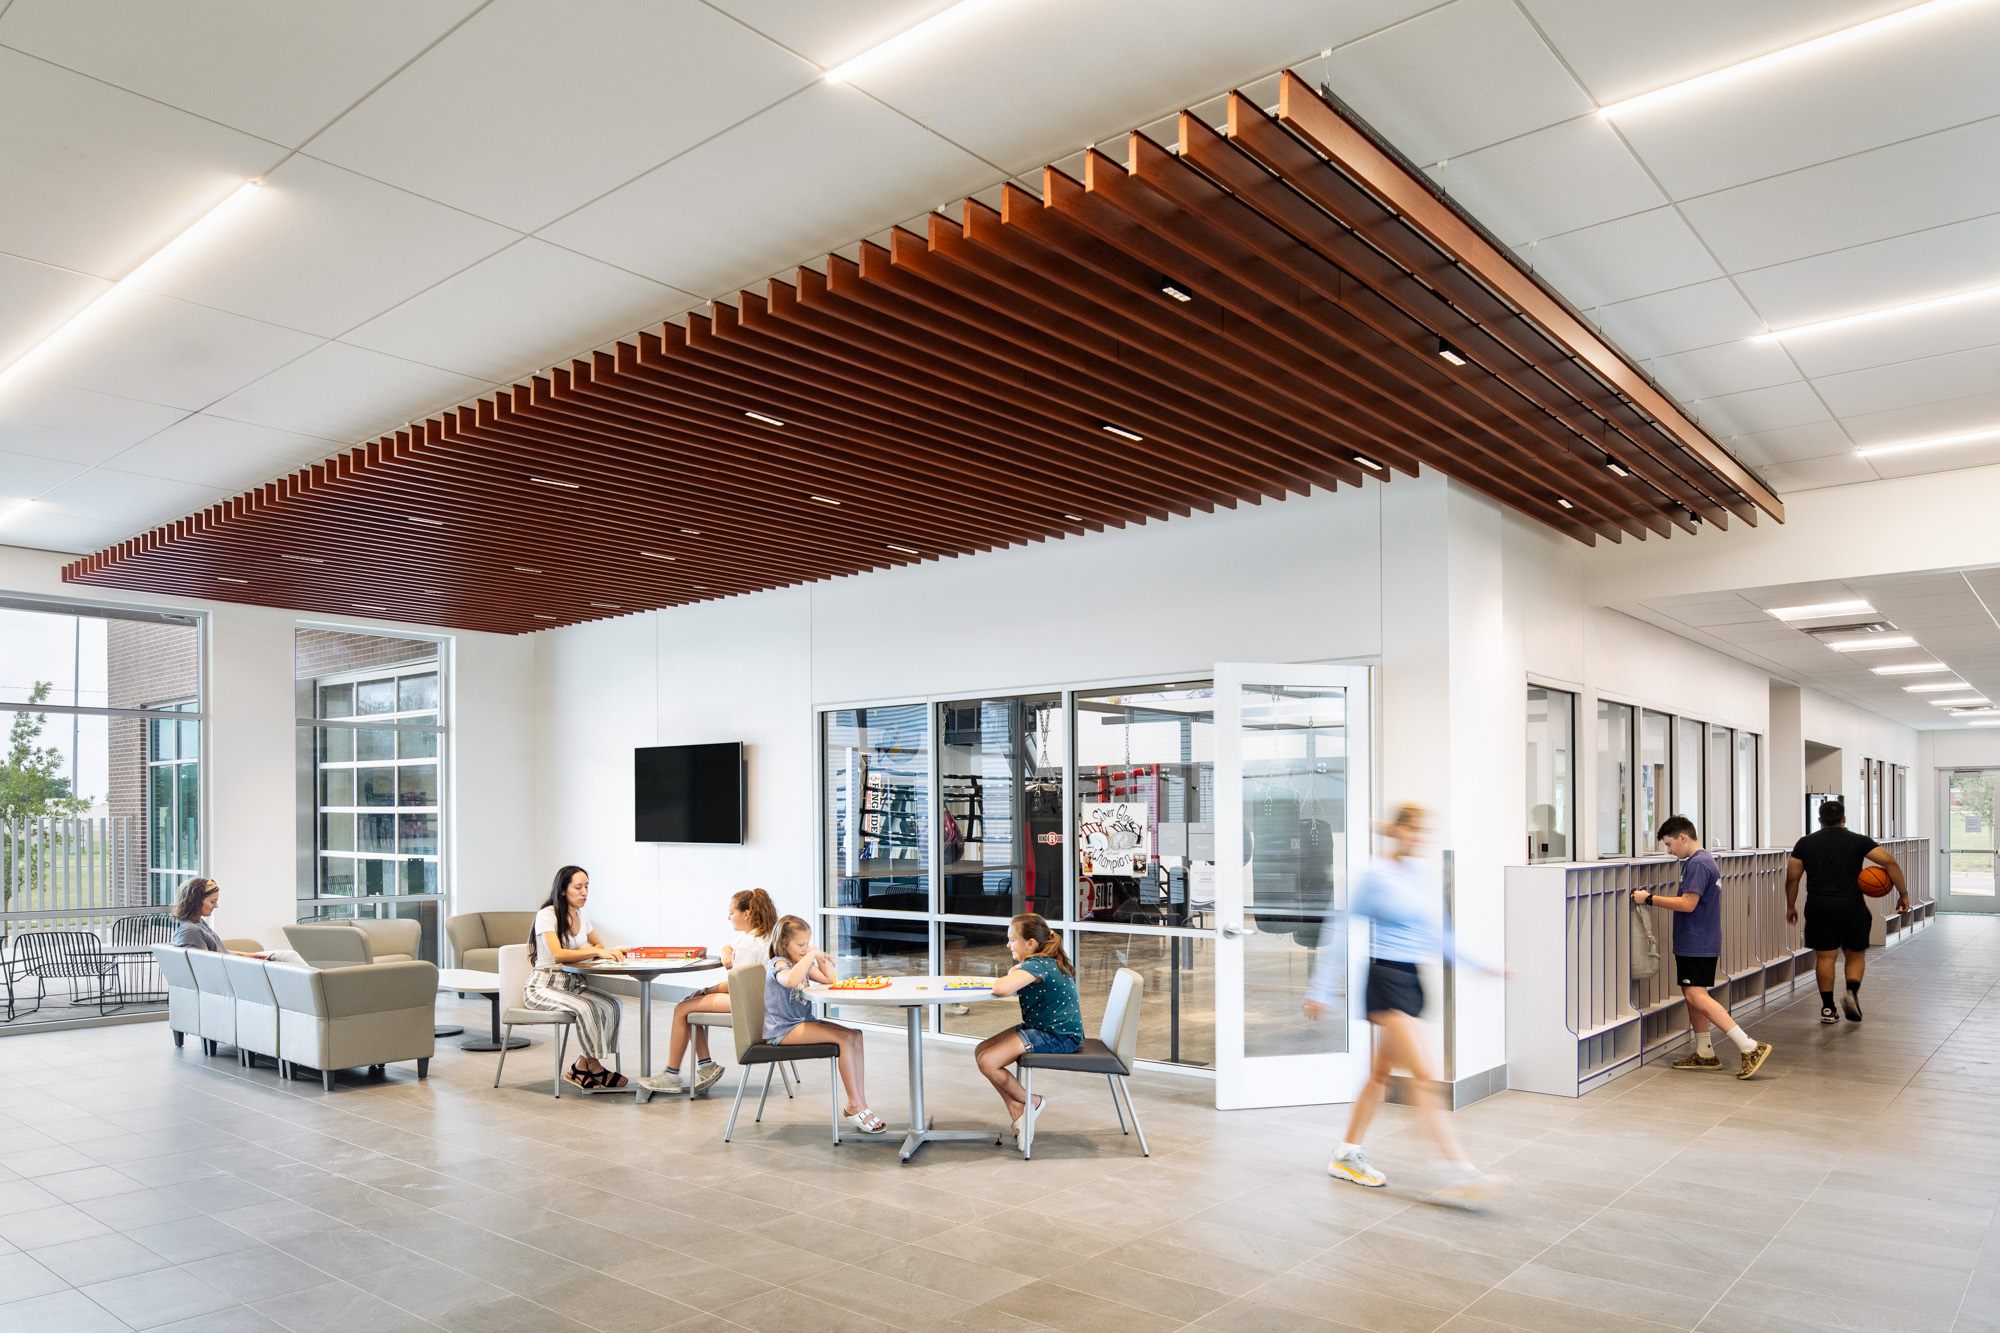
(746, 1020)
(1109, 1053)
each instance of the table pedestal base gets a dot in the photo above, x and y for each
(917, 1138)
(493, 1043)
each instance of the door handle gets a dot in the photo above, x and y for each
(1238, 932)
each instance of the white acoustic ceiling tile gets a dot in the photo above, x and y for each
(338, 392)
(1460, 77)
(139, 344)
(98, 178)
(55, 421)
(280, 71)
(1621, 48)
(1926, 421)
(1617, 261)
(1791, 444)
(1899, 85)
(1916, 338)
(1727, 368)
(23, 477)
(1567, 176)
(1913, 383)
(1680, 320)
(321, 249)
(132, 503)
(530, 306)
(234, 456)
(1938, 261)
(811, 174)
(38, 299)
(1886, 192)
(1757, 410)
(1981, 453)
(1023, 82)
(527, 112)
(830, 34)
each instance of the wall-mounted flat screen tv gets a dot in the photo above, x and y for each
(688, 793)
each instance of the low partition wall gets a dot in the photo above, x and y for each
(1577, 1018)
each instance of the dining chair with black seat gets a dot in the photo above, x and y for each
(1109, 1053)
(66, 955)
(746, 1021)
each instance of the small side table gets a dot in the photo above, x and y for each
(479, 983)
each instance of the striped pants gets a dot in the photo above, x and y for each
(597, 1014)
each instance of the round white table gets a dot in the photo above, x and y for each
(644, 971)
(465, 980)
(912, 995)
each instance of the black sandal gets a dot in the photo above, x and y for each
(610, 1079)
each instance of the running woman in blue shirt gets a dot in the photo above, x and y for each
(1403, 904)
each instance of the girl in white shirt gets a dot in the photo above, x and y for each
(564, 935)
(752, 915)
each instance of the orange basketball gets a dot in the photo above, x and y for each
(1875, 881)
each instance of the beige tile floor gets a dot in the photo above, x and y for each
(1852, 1186)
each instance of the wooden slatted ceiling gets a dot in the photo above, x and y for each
(950, 393)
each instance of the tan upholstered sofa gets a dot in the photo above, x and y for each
(365, 1015)
(478, 937)
(326, 944)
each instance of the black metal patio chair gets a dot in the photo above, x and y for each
(69, 955)
(133, 937)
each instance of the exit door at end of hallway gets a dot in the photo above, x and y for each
(1969, 879)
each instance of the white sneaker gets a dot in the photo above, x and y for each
(669, 1083)
(1469, 1185)
(1350, 1165)
(707, 1076)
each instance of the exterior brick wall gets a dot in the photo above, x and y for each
(146, 665)
(318, 652)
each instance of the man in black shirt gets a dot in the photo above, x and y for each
(1838, 918)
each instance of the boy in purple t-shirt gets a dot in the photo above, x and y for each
(1697, 944)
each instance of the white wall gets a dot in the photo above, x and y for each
(252, 818)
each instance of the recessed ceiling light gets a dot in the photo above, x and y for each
(159, 259)
(1870, 316)
(1936, 686)
(1909, 669)
(1975, 712)
(1564, 503)
(566, 485)
(1819, 609)
(1994, 723)
(841, 73)
(1449, 353)
(224, 578)
(523, 569)
(427, 522)
(1868, 31)
(906, 550)
(655, 555)
(605, 606)
(1073, 518)
(1871, 450)
(19, 507)
(822, 499)
(1368, 463)
(539, 616)
(1968, 701)
(1176, 290)
(691, 532)
(302, 559)
(1616, 469)
(1872, 642)
(699, 587)
(759, 416)
(363, 606)
(1122, 433)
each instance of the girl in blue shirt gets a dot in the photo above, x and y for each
(1051, 1019)
(1403, 905)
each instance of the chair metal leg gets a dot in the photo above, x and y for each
(1027, 1121)
(506, 1039)
(1126, 1088)
(736, 1105)
(833, 1096)
(1115, 1106)
(562, 1044)
(326, 1079)
(769, 1070)
(787, 1079)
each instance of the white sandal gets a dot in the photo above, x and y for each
(867, 1121)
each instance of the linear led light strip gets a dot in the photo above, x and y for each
(1872, 450)
(1870, 316)
(930, 27)
(1818, 46)
(161, 257)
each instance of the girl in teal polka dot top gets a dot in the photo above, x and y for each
(1044, 980)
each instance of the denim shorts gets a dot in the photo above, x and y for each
(1045, 1043)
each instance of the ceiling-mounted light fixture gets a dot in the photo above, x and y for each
(1368, 463)
(1869, 451)
(1870, 316)
(1180, 291)
(1936, 686)
(1967, 701)
(565, 485)
(1860, 32)
(1872, 643)
(159, 259)
(822, 499)
(605, 606)
(539, 616)
(906, 550)
(1449, 353)
(427, 522)
(691, 532)
(301, 559)
(1617, 469)
(1995, 723)
(1909, 669)
(1122, 433)
(363, 606)
(759, 416)
(930, 27)
(224, 578)
(1074, 518)
(1564, 503)
(655, 555)
(523, 569)
(1818, 609)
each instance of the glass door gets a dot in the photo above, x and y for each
(1293, 796)
(1969, 883)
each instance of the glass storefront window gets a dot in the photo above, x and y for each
(1655, 788)
(876, 946)
(1746, 789)
(1687, 770)
(1715, 829)
(1145, 804)
(1000, 798)
(1177, 1017)
(878, 792)
(1551, 751)
(1614, 778)
(978, 951)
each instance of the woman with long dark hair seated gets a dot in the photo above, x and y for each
(564, 937)
(198, 901)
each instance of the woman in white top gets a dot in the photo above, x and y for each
(563, 935)
(752, 914)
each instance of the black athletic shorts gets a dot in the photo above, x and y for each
(1838, 923)
(1694, 971)
(1394, 986)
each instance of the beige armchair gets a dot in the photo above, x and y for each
(350, 1017)
(326, 944)
(478, 937)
